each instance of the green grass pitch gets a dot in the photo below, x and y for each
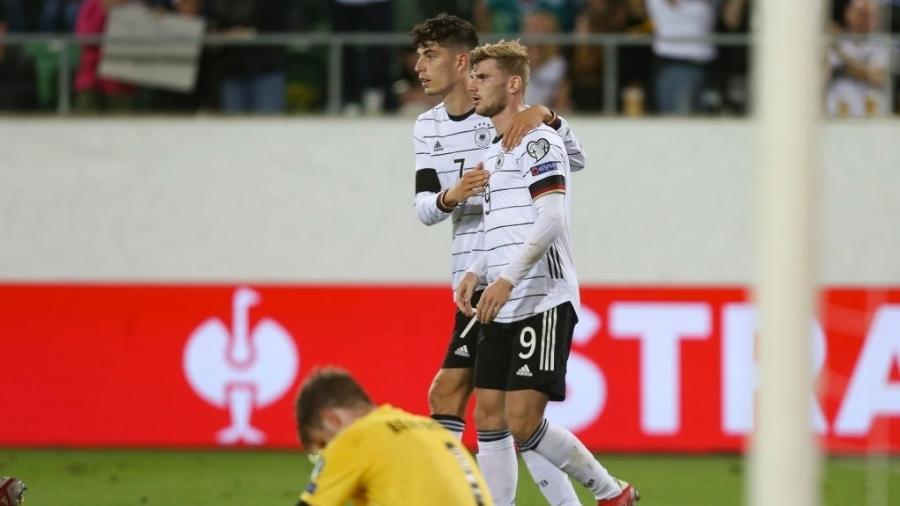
(222, 478)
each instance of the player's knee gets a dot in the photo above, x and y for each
(522, 422)
(489, 417)
(437, 398)
(448, 396)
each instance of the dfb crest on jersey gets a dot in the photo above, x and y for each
(538, 149)
(482, 137)
(499, 165)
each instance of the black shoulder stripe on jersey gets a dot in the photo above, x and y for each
(427, 181)
(548, 184)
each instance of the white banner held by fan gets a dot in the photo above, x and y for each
(164, 55)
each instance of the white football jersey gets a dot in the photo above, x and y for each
(446, 146)
(537, 166)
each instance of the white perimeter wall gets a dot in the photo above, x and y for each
(310, 199)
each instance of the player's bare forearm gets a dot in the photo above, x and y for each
(470, 184)
(493, 299)
(464, 291)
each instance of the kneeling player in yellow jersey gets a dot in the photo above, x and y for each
(379, 455)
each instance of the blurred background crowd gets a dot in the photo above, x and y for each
(661, 65)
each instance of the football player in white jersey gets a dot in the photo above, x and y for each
(528, 310)
(449, 141)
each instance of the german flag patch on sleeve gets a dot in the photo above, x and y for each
(556, 183)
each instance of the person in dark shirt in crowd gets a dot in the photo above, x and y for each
(366, 72)
(58, 16)
(633, 62)
(252, 78)
(17, 88)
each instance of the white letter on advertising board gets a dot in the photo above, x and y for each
(871, 392)
(739, 369)
(660, 327)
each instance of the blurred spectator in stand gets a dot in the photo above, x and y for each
(733, 69)
(893, 15)
(92, 92)
(588, 65)
(58, 16)
(859, 66)
(431, 8)
(682, 68)
(548, 84)
(366, 69)
(890, 14)
(305, 15)
(17, 76)
(506, 16)
(47, 16)
(306, 68)
(204, 96)
(21, 15)
(252, 78)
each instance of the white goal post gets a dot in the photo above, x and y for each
(788, 67)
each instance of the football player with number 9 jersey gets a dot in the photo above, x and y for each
(529, 309)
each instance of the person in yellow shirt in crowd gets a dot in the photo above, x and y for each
(379, 455)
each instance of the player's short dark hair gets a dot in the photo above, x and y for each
(328, 387)
(445, 30)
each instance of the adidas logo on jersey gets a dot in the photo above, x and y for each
(438, 147)
(462, 351)
(524, 371)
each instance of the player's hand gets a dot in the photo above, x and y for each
(493, 299)
(522, 123)
(470, 184)
(463, 293)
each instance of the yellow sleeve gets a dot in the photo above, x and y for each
(337, 475)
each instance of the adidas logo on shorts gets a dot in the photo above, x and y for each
(524, 371)
(462, 351)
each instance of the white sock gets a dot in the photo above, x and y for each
(553, 483)
(566, 452)
(454, 424)
(497, 460)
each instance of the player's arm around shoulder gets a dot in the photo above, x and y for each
(574, 150)
(532, 118)
(428, 184)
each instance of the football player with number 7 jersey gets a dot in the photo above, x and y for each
(449, 141)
